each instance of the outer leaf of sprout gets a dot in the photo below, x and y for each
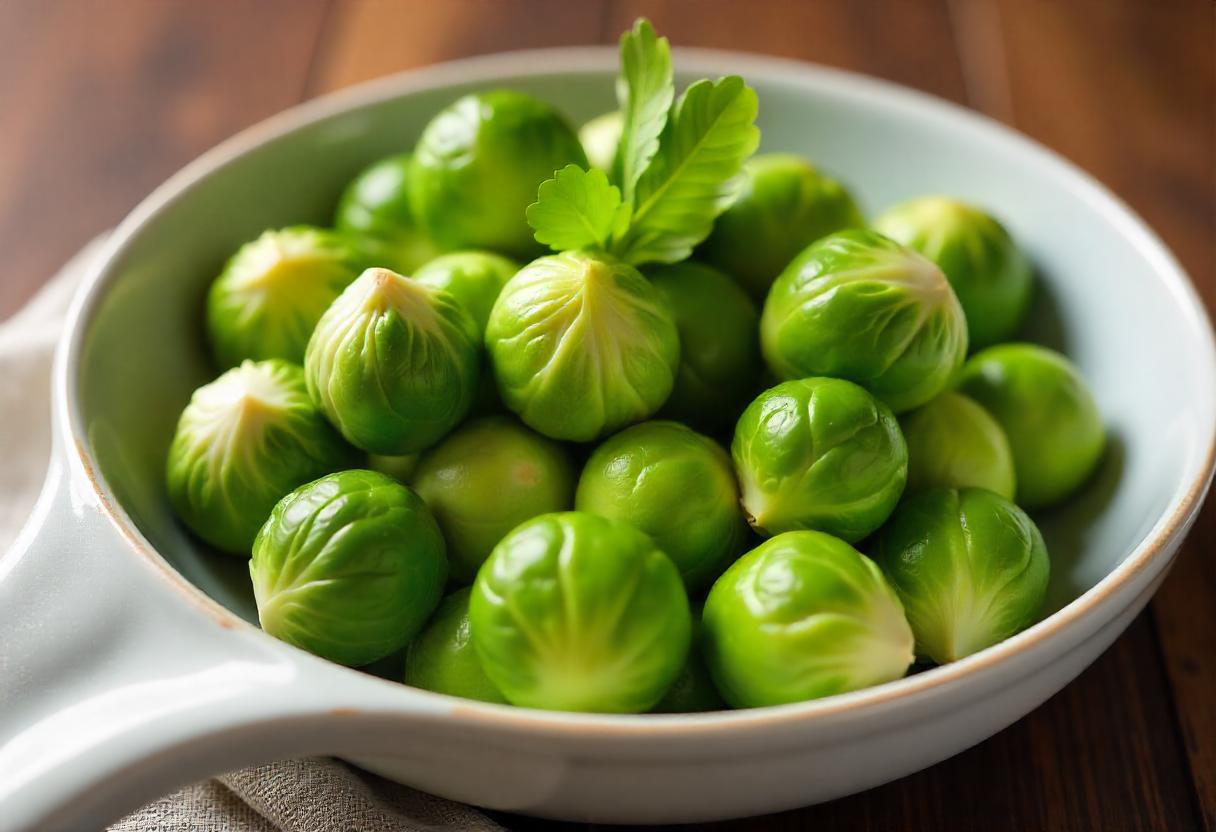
(442, 658)
(803, 616)
(485, 479)
(348, 567)
(859, 306)
(244, 441)
(272, 293)
(477, 167)
(990, 275)
(955, 443)
(970, 567)
(581, 345)
(819, 453)
(575, 612)
(719, 344)
(393, 363)
(473, 278)
(784, 204)
(1048, 413)
(678, 487)
(375, 212)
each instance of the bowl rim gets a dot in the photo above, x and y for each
(1154, 549)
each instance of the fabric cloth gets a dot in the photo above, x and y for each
(314, 795)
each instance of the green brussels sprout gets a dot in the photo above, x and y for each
(693, 690)
(484, 480)
(375, 211)
(955, 443)
(273, 291)
(969, 566)
(348, 567)
(819, 453)
(401, 468)
(581, 345)
(479, 164)
(989, 274)
(856, 305)
(574, 612)
(802, 616)
(1049, 416)
(393, 363)
(600, 137)
(677, 486)
(442, 657)
(474, 278)
(785, 204)
(242, 443)
(719, 349)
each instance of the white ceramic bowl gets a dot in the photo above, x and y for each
(128, 664)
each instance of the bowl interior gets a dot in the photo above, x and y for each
(1109, 297)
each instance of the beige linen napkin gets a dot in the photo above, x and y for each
(315, 795)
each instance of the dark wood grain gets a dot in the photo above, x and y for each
(908, 41)
(102, 101)
(370, 38)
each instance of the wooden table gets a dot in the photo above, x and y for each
(100, 100)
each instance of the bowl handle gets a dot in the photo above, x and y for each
(118, 683)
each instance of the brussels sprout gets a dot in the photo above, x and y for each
(677, 486)
(1048, 413)
(693, 690)
(600, 137)
(819, 453)
(272, 293)
(574, 612)
(856, 305)
(719, 349)
(479, 164)
(955, 443)
(401, 468)
(245, 440)
(393, 363)
(474, 278)
(969, 566)
(802, 616)
(487, 478)
(375, 211)
(784, 205)
(442, 658)
(348, 567)
(581, 344)
(988, 272)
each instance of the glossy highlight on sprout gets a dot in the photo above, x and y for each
(970, 567)
(348, 567)
(802, 616)
(856, 305)
(822, 454)
(393, 363)
(677, 486)
(574, 612)
(581, 344)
